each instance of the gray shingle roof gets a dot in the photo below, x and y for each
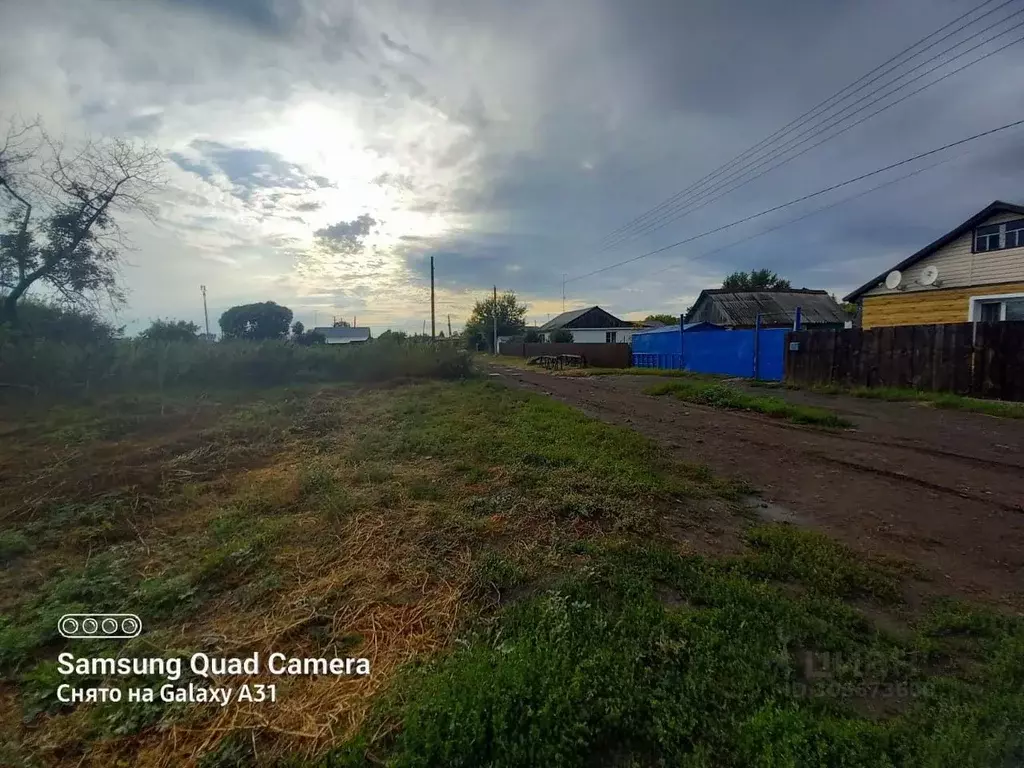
(740, 308)
(560, 321)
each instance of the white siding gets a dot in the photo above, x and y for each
(959, 268)
(597, 335)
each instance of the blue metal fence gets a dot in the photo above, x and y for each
(746, 352)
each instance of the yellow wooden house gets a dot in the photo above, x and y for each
(974, 272)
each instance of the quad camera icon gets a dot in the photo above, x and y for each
(99, 626)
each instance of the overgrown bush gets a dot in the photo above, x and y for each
(45, 367)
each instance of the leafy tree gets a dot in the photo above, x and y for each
(510, 313)
(755, 280)
(533, 336)
(662, 318)
(298, 328)
(393, 336)
(171, 330)
(562, 336)
(58, 215)
(39, 320)
(309, 338)
(265, 320)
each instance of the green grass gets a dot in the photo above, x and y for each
(646, 657)
(579, 635)
(720, 395)
(946, 400)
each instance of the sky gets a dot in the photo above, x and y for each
(318, 153)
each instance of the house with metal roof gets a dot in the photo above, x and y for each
(973, 272)
(342, 335)
(590, 325)
(777, 308)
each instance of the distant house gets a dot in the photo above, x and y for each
(973, 272)
(739, 309)
(340, 335)
(591, 325)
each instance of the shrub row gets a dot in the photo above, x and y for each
(42, 367)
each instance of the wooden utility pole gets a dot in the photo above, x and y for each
(494, 313)
(563, 291)
(449, 326)
(432, 298)
(206, 315)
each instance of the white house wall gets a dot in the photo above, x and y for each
(597, 335)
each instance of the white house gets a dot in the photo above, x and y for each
(591, 325)
(341, 335)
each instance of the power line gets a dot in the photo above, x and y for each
(820, 192)
(814, 110)
(807, 215)
(681, 207)
(706, 202)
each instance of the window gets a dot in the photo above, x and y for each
(609, 337)
(990, 311)
(1015, 234)
(995, 309)
(996, 237)
(986, 239)
(1014, 310)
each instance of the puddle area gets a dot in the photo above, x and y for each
(769, 512)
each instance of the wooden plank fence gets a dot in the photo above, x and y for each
(598, 355)
(978, 359)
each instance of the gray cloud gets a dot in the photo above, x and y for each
(504, 139)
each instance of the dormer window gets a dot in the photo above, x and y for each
(996, 237)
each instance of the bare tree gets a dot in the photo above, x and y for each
(58, 210)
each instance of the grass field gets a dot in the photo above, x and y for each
(521, 577)
(721, 395)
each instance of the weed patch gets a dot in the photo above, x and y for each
(600, 671)
(946, 400)
(723, 396)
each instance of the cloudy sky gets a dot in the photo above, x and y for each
(320, 151)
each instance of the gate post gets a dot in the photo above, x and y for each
(757, 340)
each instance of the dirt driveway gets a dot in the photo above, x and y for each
(942, 488)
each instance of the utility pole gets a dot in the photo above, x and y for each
(206, 315)
(494, 314)
(449, 326)
(431, 298)
(563, 291)
(316, 315)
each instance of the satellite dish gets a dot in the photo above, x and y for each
(929, 276)
(893, 280)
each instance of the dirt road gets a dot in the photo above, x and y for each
(944, 489)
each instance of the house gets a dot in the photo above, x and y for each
(739, 309)
(591, 325)
(340, 335)
(973, 272)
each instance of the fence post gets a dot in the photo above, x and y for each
(757, 339)
(682, 360)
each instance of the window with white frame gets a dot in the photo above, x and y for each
(997, 237)
(609, 337)
(995, 309)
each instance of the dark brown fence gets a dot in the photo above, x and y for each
(979, 359)
(598, 355)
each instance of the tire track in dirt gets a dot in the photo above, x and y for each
(957, 515)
